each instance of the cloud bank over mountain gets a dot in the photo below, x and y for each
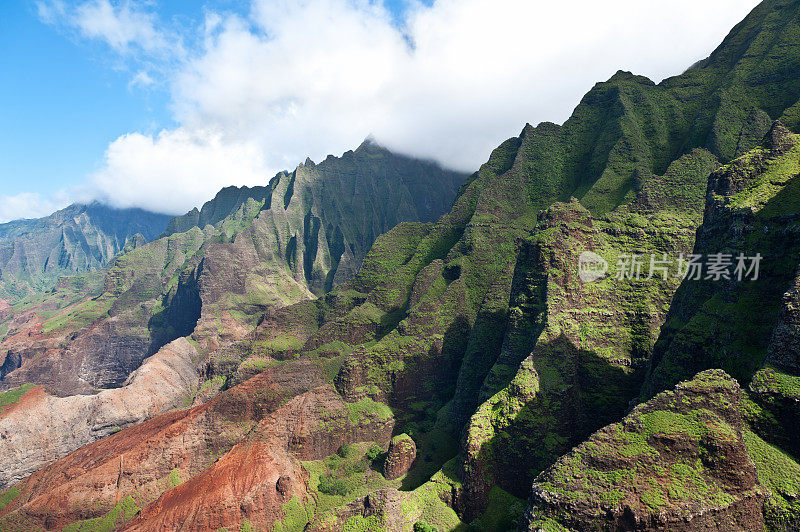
(30, 205)
(254, 93)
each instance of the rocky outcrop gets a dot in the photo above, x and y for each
(776, 386)
(778, 393)
(677, 462)
(42, 428)
(393, 510)
(241, 487)
(383, 508)
(751, 212)
(401, 455)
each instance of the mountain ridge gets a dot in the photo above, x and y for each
(475, 337)
(80, 238)
(210, 284)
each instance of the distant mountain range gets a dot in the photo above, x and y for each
(79, 238)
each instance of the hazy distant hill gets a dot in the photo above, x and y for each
(78, 238)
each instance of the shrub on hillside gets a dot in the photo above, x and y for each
(374, 452)
(345, 450)
(332, 486)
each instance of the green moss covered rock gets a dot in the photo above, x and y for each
(678, 462)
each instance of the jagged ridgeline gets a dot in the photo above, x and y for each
(253, 249)
(79, 238)
(474, 337)
(478, 332)
(320, 220)
(246, 251)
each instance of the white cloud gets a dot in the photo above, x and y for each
(125, 26)
(29, 205)
(313, 77)
(174, 170)
(120, 26)
(52, 11)
(141, 79)
(296, 78)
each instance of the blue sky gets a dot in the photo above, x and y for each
(66, 98)
(238, 89)
(63, 101)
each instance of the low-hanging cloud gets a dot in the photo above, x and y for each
(259, 93)
(170, 172)
(30, 205)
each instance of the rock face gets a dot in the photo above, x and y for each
(79, 238)
(42, 428)
(401, 455)
(181, 462)
(751, 211)
(677, 462)
(69, 362)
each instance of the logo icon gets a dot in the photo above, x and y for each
(591, 267)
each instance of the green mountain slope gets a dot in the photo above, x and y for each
(258, 249)
(476, 331)
(79, 238)
(752, 210)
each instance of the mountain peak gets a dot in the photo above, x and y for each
(370, 144)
